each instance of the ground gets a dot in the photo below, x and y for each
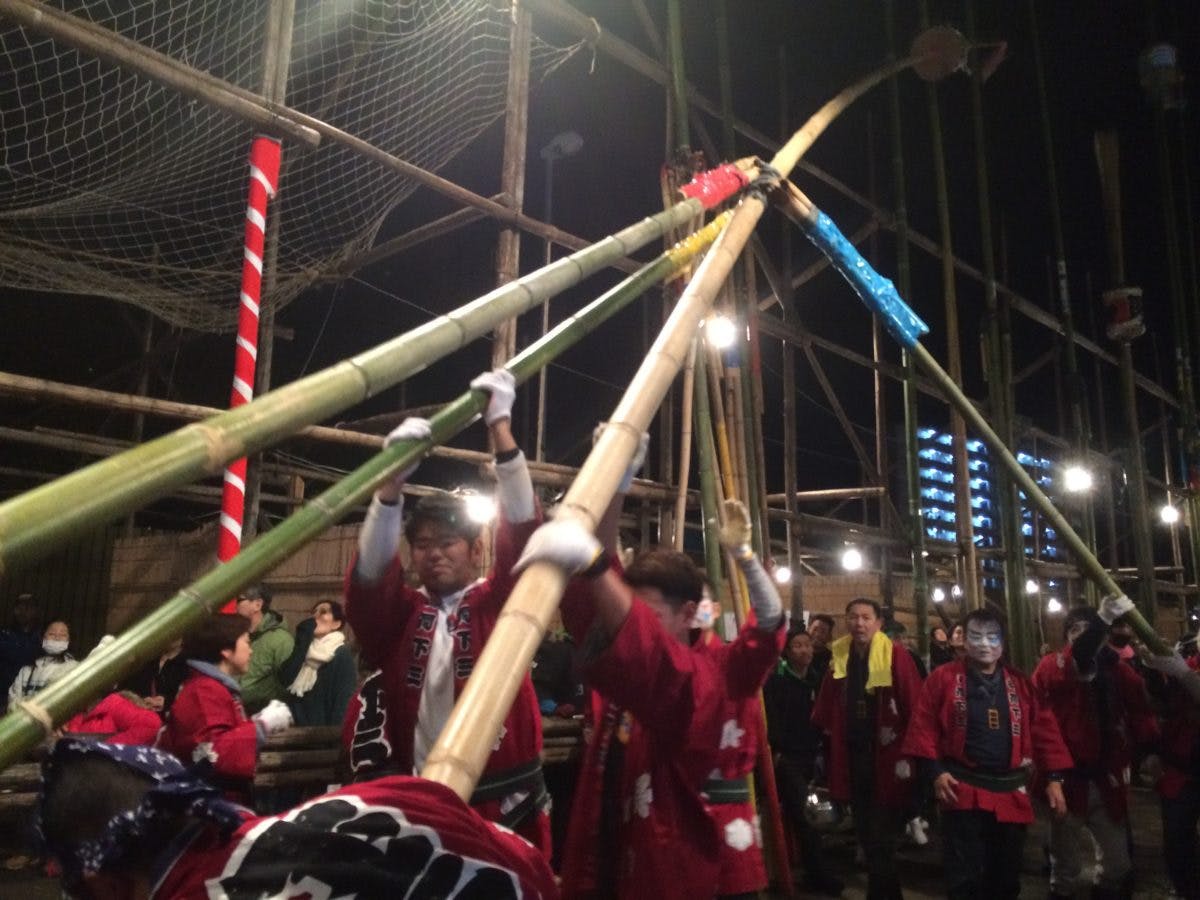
(920, 867)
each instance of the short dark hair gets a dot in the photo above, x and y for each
(671, 571)
(257, 592)
(796, 630)
(444, 510)
(1079, 614)
(823, 617)
(988, 614)
(335, 608)
(214, 634)
(863, 601)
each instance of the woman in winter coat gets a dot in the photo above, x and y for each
(54, 662)
(320, 674)
(207, 720)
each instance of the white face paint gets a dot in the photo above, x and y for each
(985, 643)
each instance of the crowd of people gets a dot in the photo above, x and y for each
(662, 803)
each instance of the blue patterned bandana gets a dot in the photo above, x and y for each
(177, 792)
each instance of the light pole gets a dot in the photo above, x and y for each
(563, 144)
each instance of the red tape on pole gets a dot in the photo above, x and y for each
(264, 176)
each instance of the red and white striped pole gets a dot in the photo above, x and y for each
(264, 176)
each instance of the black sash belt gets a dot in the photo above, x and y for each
(1000, 782)
(526, 777)
(721, 791)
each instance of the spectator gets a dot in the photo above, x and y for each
(207, 720)
(54, 662)
(821, 627)
(555, 680)
(321, 673)
(272, 648)
(958, 644)
(940, 651)
(159, 680)
(19, 645)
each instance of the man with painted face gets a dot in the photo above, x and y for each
(426, 640)
(865, 704)
(977, 729)
(1104, 716)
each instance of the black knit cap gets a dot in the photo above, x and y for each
(446, 510)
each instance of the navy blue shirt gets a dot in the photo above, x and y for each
(990, 748)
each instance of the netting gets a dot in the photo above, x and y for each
(114, 186)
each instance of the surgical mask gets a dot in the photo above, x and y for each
(54, 648)
(985, 646)
(703, 619)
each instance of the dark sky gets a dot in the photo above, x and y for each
(1091, 51)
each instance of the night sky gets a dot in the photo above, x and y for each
(1091, 51)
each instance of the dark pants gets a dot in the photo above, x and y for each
(877, 827)
(792, 775)
(982, 856)
(1180, 817)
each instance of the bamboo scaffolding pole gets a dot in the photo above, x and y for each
(906, 327)
(458, 757)
(33, 524)
(685, 445)
(24, 727)
(706, 459)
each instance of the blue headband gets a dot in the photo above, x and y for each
(177, 792)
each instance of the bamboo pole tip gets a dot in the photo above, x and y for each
(939, 51)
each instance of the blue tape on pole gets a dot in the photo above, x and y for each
(876, 291)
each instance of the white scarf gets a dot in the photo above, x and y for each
(320, 651)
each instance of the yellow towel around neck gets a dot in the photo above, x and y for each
(879, 660)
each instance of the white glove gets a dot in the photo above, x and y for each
(903, 769)
(502, 390)
(414, 428)
(1112, 608)
(274, 717)
(635, 464)
(736, 533)
(564, 543)
(1173, 665)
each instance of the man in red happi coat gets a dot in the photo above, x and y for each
(977, 730)
(426, 640)
(640, 827)
(865, 704)
(1104, 715)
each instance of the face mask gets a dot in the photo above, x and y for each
(55, 648)
(704, 615)
(985, 647)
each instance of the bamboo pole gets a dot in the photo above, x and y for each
(458, 757)
(22, 728)
(706, 458)
(34, 523)
(906, 327)
(685, 445)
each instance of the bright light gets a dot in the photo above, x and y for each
(852, 559)
(938, 595)
(956, 591)
(1031, 586)
(1169, 514)
(924, 554)
(1053, 606)
(1076, 479)
(721, 332)
(480, 508)
(783, 575)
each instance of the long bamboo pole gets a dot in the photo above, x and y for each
(906, 327)
(706, 464)
(685, 446)
(458, 757)
(34, 523)
(22, 728)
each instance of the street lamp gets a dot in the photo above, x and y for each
(1076, 479)
(852, 559)
(562, 145)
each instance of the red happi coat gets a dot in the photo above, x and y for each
(207, 721)
(938, 730)
(1071, 700)
(365, 731)
(893, 709)
(1180, 738)
(393, 837)
(664, 703)
(743, 670)
(394, 624)
(120, 719)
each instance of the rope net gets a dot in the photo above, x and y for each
(111, 185)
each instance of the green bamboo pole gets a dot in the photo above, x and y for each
(906, 327)
(24, 727)
(458, 757)
(36, 522)
(679, 102)
(706, 455)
